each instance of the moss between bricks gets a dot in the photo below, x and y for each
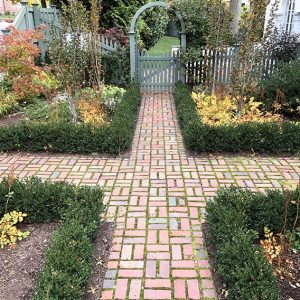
(256, 137)
(80, 138)
(69, 259)
(236, 217)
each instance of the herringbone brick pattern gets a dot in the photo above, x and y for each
(156, 197)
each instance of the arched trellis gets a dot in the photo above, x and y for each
(133, 52)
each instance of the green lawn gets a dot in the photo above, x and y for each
(3, 17)
(164, 45)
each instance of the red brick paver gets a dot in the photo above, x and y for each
(156, 197)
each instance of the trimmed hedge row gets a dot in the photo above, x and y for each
(248, 137)
(69, 138)
(69, 262)
(236, 218)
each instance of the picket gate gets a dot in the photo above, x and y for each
(158, 73)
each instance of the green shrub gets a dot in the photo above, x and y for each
(66, 137)
(286, 79)
(69, 261)
(236, 218)
(116, 67)
(245, 137)
(37, 111)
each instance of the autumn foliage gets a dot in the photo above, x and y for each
(18, 54)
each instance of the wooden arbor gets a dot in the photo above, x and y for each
(133, 49)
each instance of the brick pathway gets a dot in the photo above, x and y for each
(156, 197)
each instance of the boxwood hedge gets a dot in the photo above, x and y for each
(69, 259)
(69, 138)
(248, 137)
(236, 218)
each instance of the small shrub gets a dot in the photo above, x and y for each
(267, 137)
(236, 218)
(7, 102)
(37, 111)
(59, 112)
(223, 108)
(284, 45)
(92, 113)
(17, 60)
(67, 137)
(284, 81)
(111, 97)
(69, 258)
(9, 233)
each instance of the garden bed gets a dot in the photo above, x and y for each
(249, 137)
(19, 267)
(235, 227)
(64, 137)
(75, 245)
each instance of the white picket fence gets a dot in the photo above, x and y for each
(217, 66)
(31, 17)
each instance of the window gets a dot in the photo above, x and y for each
(290, 15)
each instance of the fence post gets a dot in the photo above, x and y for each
(132, 54)
(37, 23)
(24, 4)
(36, 15)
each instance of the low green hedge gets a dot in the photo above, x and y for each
(236, 218)
(69, 138)
(69, 262)
(248, 137)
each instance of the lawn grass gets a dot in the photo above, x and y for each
(9, 16)
(164, 46)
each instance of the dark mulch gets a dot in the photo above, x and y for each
(12, 119)
(19, 267)
(103, 244)
(289, 288)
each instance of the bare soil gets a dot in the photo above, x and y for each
(103, 244)
(19, 267)
(289, 288)
(11, 119)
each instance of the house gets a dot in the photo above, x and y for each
(287, 16)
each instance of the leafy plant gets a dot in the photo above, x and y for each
(37, 111)
(7, 102)
(116, 34)
(220, 108)
(111, 97)
(254, 48)
(278, 247)
(76, 51)
(265, 137)
(284, 45)
(9, 233)
(17, 61)
(283, 82)
(207, 23)
(59, 112)
(68, 260)
(241, 263)
(92, 113)
(151, 27)
(294, 237)
(67, 137)
(116, 67)
(272, 245)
